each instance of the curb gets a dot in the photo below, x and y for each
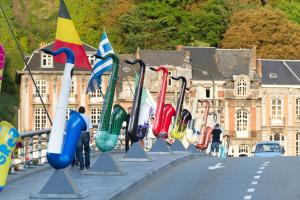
(129, 187)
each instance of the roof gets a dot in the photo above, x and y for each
(157, 58)
(280, 72)
(221, 64)
(34, 62)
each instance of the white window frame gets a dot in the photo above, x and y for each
(276, 109)
(69, 109)
(209, 89)
(48, 59)
(42, 87)
(242, 119)
(170, 82)
(95, 115)
(241, 87)
(281, 138)
(297, 109)
(91, 59)
(73, 89)
(244, 149)
(95, 94)
(40, 118)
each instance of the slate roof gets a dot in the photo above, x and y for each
(157, 58)
(34, 61)
(286, 72)
(221, 64)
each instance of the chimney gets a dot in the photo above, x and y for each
(259, 68)
(179, 47)
(254, 57)
(138, 53)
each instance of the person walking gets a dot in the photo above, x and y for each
(84, 142)
(216, 140)
(127, 137)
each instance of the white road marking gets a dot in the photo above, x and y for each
(256, 177)
(259, 172)
(217, 166)
(247, 197)
(254, 182)
(267, 162)
(262, 168)
(251, 190)
(265, 165)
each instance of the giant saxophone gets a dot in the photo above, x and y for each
(182, 116)
(136, 104)
(8, 141)
(110, 123)
(164, 112)
(206, 130)
(62, 144)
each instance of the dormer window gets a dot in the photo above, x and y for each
(47, 61)
(91, 59)
(241, 87)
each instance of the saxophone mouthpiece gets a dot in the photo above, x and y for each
(97, 56)
(47, 51)
(152, 68)
(131, 62)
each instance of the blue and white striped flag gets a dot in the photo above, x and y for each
(100, 66)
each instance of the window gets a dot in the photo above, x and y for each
(297, 144)
(69, 111)
(47, 61)
(40, 119)
(42, 87)
(207, 92)
(169, 80)
(244, 149)
(276, 109)
(241, 87)
(96, 94)
(298, 109)
(242, 120)
(128, 88)
(278, 137)
(73, 87)
(95, 115)
(91, 59)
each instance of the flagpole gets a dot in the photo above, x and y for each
(29, 71)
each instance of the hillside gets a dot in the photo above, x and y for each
(153, 24)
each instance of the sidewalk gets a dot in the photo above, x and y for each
(97, 187)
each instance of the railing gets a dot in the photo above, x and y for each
(32, 149)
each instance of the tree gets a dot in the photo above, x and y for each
(269, 30)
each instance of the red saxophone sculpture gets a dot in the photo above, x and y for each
(164, 112)
(205, 135)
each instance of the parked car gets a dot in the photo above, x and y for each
(268, 149)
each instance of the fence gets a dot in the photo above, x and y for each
(32, 149)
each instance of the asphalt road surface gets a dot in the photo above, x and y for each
(224, 179)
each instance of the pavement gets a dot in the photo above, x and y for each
(207, 178)
(22, 185)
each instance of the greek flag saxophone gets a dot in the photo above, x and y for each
(110, 123)
(183, 116)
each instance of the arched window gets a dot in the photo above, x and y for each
(242, 123)
(242, 87)
(298, 109)
(278, 137)
(297, 144)
(276, 108)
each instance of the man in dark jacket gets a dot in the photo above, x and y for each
(216, 140)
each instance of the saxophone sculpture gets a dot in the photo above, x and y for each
(182, 116)
(110, 123)
(136, 104)
(164, 112)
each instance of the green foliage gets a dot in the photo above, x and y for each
(292, 10)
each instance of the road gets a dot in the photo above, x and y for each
(225, 179)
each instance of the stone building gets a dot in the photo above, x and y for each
(281, 103)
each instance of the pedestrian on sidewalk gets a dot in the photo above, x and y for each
(216, 140)
(84, 142)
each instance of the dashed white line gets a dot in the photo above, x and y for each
(254, 182)
(259, 172)
(262, 168)
(264, 165)
(256, 177)
(267, 162)
(247, 197)
(251, 190)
